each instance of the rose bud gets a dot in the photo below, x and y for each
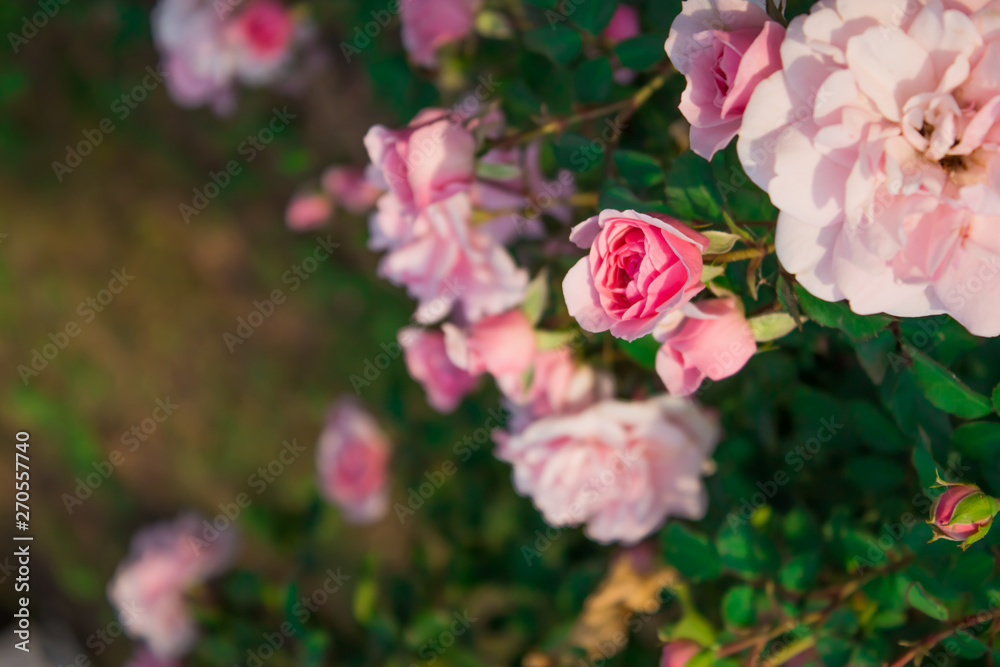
(963, 513)
(679, 653)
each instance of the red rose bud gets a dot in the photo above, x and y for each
(963, 513)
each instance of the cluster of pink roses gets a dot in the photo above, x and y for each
(208, 46)
(873, 128)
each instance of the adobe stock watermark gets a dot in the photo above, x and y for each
(796, 459)
(30, 25)
(303, 610)
(131, 439)
(463, 449)
(294, 277)
(122, 107)
(248, 149)
(59, 340)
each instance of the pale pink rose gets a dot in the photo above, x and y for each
(352, 461)
(877, 140)
(349, 187)
(624, 24)
(443, 262)
(430, 24)
(308, 210)
(640, 268)
(704, 339)
(426, 162)
(497, 345)
(427, 361)
(206, 49)
(620, 468)
(554, 384)
(679, 653)
(724, 48)
(166, 560)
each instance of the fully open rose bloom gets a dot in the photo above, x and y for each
(164, 562)
(427, 361)
(877, 141)
(207, 48)
(352, 461)
(430, 24)
(620, 468)
(724, 48)
(704, 339)
(639, 269)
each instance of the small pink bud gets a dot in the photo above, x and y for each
(963, 513)
(679, 653)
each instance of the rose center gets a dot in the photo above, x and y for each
(933, 124)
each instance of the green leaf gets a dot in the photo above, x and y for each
(838, 315)
(720, 242)
(558, 43)
(978, 440)
(493, 24)
(689, 194)
(944, 390)
(996, 398)
(642, 351)
(737, 607)
(691, 553)
(973, 509)
(536, 298)
(497, 171)
(638, 169)
(771, 326)
(920, 600)
(875, 473)
(640, 52)
(593, 15)
(927, 469)
(799, 573)
(745, 551)
(875, 429)
(593, 80)
(577, 153)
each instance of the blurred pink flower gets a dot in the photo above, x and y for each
(704, 339)
(878, 142)
(349, 187)
(620, 468)
(443, 262)
(430, 24)
(426, 162)
(164, 561)
(497, 345)
(207, 49)
(724, 48)
(639, 269)
(352, 461)
(553, 384)
(308, 210)
(679, 653)
(427, 361)
(624, 24)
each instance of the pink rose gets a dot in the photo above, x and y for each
(624, 24)
(679, 653)
(620, 468)
(426, 162)
(707, 339)
(497, 345)
(724, 48)
(430, 24)
(640, 268)
(205, 51)
(352, 461)
(442, 262)
(427, 361)
(308, 210)
(976, 522)
(149, 587)
(349, 187)
(553, 384)
(878, 142)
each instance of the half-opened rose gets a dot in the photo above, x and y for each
(724, 48)
(640, 268)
